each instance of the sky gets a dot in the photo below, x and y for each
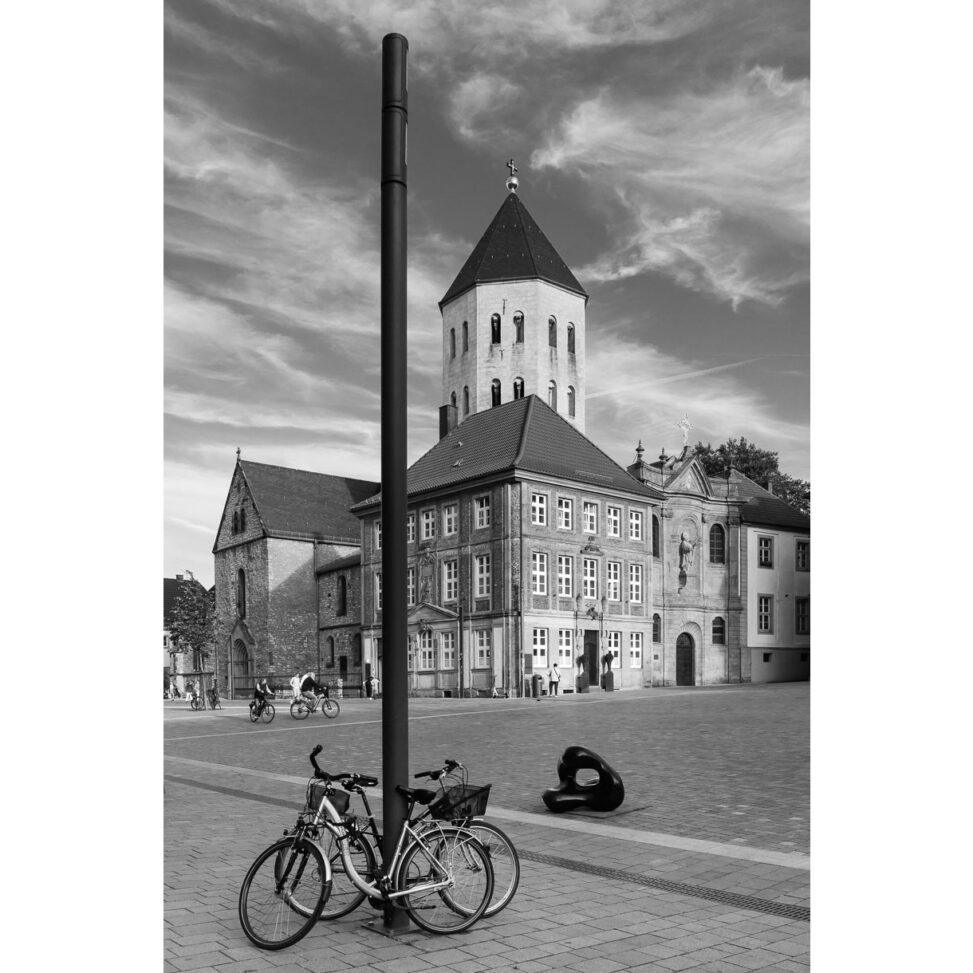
(662, 146)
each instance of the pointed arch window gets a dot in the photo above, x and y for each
(518, 388)
(241, 593)
(452, 342)
(719, 631)
(452, 399)
(466, 400)
(656, 628)
(571, 401)
(236, 523)
(519, 327)
(466, 337)
(655, 536)
(495, 329)
(495, 392)
(717, 545)
(341, 599)
(552, 331)
(243, 520)
(570, 338)
(552, 395)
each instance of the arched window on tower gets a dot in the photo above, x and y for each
(466, 336)
(241, 593)
(552, 331)
(570, 338)
(495, 392)
(656, 628)
(341, 596)
(495, 329)
(519, 327)
(466, 400)
(717, 544)
(571, 400)
(518, 388)
(655, 536)
(552, 395)
(452, 342)
(452, 399)
(719, 631)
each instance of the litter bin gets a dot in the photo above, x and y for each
(536, 685)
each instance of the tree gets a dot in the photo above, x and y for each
(761, 465)
(191, 622)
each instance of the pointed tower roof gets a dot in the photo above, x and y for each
(513, 248)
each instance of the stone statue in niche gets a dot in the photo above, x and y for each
(687, 551)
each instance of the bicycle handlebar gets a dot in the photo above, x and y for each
(447, 768)
(346, 779)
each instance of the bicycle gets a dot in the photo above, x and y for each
(301, 709)
(266, 712)
(440, 876)
(214, 699)
(195, 702)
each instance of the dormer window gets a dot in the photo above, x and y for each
(495, 329)
(552, 331)
(519, 327)
(570, 338)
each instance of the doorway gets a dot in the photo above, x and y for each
(241, 676)
(591, 664)
(685, 660)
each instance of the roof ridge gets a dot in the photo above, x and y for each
(294, 469)
(520, 211)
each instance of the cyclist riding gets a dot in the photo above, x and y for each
(261, 693)
(310, 686)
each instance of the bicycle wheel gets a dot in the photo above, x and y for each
(345, 896)
(283, 894)
(253, 713)
(458, 869)
(505, 862)
(195, 703)
(299, 710)
(269, 712)
(330, 708)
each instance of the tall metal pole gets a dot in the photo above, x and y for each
(395, 696)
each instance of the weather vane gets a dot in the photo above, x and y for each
(685, 425)
(512, 181)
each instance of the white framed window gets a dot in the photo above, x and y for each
(635, 650)
(410, 529)
(802, 552)
(565, 513)
(635, 582)
(484, 583)
(538, 509)
(483, 643)
(450, 519)
(613, 641)
(378, 590)
(613, 580)
(378, 535)
(590, 517)
(565, 575)
(448, 642)
(565, 648)
(765, 552)
(765, 614)
(589, 581)
(410, 586)
(482, 505)
(428, 524)
(538, 573)
(450, 580)
(427, 651)
(613, 517)
(635, 525)
(539, 648)
(802, 616)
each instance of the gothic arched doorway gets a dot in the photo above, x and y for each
(241, 676)
(685, 653)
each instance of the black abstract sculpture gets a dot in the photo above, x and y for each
(605, 794)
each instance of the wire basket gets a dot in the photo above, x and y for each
(317, 789)
(461, 801)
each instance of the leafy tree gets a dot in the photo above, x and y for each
(191, 622)
(761, 465)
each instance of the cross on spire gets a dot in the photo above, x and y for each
(512, 181)
(512, 167)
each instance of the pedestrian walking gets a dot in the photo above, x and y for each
(296, 684)
(375, 687)
(553, 679)
(368, 688)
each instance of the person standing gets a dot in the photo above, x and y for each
(553, 680)
(368, 688)
(296, 684)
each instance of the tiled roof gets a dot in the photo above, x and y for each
(761, 506)
(513, 248)
(524, 435)
(304, 503)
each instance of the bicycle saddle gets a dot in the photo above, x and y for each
(418, 794)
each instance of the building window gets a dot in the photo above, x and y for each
(539, 648)
(635, 582)
(450, 580)
(466, 337)
(483, 577)
(590, 517)
(565, 575)
(768, 656)
(635, 525)
(452, 342)
(519, 327)
(483, 654)
(571, 401)
(765, 552)
(378, 535)
(719, 631)
(236, 523)
(241, 593)
(552, 331)
(356, 650)
(518, 388)
(428, 524)
(538, 573)
(802, 616)
(341, 599)
(656, 546)
(378, 590)
(565, 513)
(614, 517)
(538, 509)
(656, 628)
(466, 400)
(613, 641)
(452, 399)
(589, 581)
(495, 392)
(803, 556)
(482, 505)
(410, 586)
(427, 651)
(613, 581)
(243, 520)
(448, 640)
(570, 338)
(565, 648)
(495, 329)
(552, 395)
(329, 648)
(765, 614)
(635, 650)
(410, 529)
(450, 519)
(717, 544)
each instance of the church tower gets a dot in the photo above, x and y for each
(514, 321)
